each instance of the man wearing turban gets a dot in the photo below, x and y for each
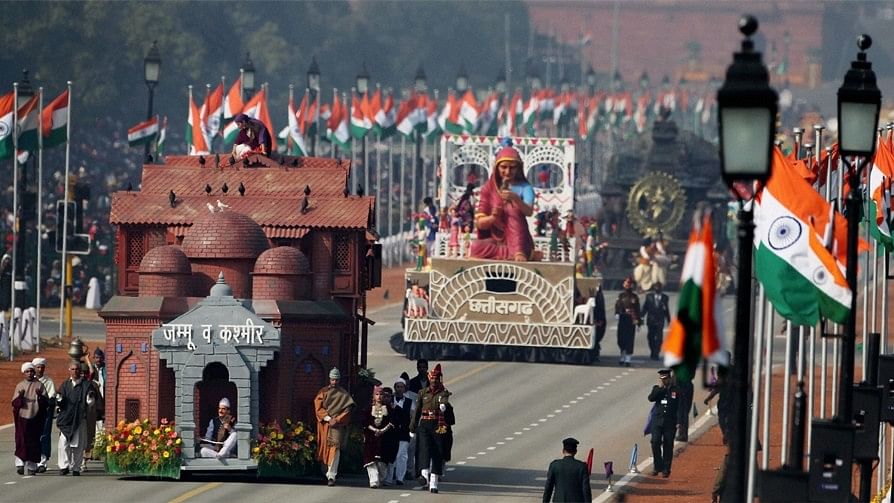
(332, 405)
(29, 406)
(40, 368)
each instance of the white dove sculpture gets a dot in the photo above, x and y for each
(221, 205)
(210, 207)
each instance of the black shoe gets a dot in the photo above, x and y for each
(63, 471)
(330, 482)
(75, 474)
(41, 469)
(20, 470)
(654, 473)
(666, 474)
(398, 483)
(433, 490)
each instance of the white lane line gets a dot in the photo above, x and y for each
(594, 390)
(8, 483)
(450, 468)
(470, 457)
(460, 462)
(510, 438)
(598, 388)
(550, 416)
(579, 398)
(572, 401)
(566, 406)
(393, 501)
(482, 453)
(557, 411)
(542, 419)
(613, 379)
(526, 429)
(516, 433)
(501, 443)
(587, 393)
(405, 495)
(491, 448)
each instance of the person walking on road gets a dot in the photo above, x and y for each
(627, 312)
(663, 422)
(40, 368)
(333, 406)
(431, 422)
(29, 406)
(75, 395)
(567, 479)
(657, 314)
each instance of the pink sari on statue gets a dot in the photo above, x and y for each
(509, 236)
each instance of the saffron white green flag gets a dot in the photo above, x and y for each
(29, 123)
(361, 121)
(7, 108)
(800, 276)
(337, 125)
(143, 132)
(879, 184)
(696, 328)
(295, 142)
(162, 136)
(468, 111)
(55, 121)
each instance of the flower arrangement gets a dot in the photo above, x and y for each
(289, 447)
(141, 448)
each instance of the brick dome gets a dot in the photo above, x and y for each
(168, 259)
(224, 235)
(282, 260)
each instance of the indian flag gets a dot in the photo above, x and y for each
(143, 132)
(55, 121)
(449, 119)
(295, 141)
(264, 116)
(695, 330)
(800, 276)
(430, 124)
(7, 109)
(361, 122)
(162, 136)
(404, 118)
(487, 115)
(385, 120)
(879, 179)
(251, 109)
(211, 112)
(468, 111)
(29, 123)
(232, 104)
(195, 139)
(337, 125)
(529, 114)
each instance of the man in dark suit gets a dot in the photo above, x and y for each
(568, 477)
(657, 313)
(421, 379)
(663, 422)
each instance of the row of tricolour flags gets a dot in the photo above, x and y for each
(29, 128)
(800, 245)
(378, 113)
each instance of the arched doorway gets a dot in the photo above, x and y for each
(215, 384)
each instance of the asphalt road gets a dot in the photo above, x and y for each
(511, 418)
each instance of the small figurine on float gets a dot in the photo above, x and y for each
(453, 248)
(420, 242)
(466, 244)
(554, 234)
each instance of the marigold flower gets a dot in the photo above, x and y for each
(156, 432)
(166, 454)
(177, 442)
(109, 448)
(138, 430)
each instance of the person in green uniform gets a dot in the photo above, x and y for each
(567, 479)
(431, 422)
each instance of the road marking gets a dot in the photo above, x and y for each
(550, 416)
(195, 492)
(491, 448)
(450, 469)
(393, 501)
(542, 419)
(598, 388)
(579, 398)
(557, 411)
(405, 495)
(566, 406)
(510, 438)
(9, 483)
(516, 433)
(470, 457)
(460, 462)
(533, 424)
(593, 390)
(469, 373)
(482, 453)
(501, 443)
(525, 429)
(573, 401)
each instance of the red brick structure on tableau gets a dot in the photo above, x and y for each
(284, 234)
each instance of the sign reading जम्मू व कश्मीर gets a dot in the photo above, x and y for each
(246, 334)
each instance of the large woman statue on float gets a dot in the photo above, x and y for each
(505, 202)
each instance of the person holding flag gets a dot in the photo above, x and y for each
(253, 138)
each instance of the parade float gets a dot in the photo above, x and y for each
(459, 307)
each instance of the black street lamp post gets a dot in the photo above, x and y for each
(859, 101)
(25, 93)
(151, 69)
(421, 86)
(747, 121)
(362, 82)
(313, 83)
(247, 72)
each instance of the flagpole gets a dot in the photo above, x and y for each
(37, 280)
(756, 382)
(223, 99)
(390, 183)
(65, 265)
(403, 160)
(15, 216)
(786, 389)
(768, 385)
(209, 140)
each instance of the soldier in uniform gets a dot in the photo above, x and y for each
(431, 421)
(663, 422)
(627, 312)
(657, 313)
(567, 479)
